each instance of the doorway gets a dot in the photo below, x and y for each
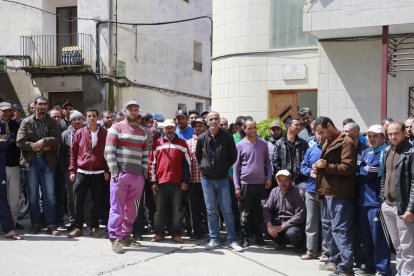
(286, 103)
(60, 98)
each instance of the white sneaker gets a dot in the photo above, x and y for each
(236, 247)
(212, 245)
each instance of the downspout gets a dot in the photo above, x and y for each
(384, 72)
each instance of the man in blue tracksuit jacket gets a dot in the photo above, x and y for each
(377, 252)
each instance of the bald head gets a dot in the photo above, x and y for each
(213, 121)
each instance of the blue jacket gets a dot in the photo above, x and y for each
(369, 176)
(185, 134)
(4, 144)
(312, 155)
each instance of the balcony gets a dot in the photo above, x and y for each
(57, 53)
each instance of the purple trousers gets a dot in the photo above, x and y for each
(125, 196)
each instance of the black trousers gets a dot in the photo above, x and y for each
(169, 195)
(146, 210)
(250, 207)
(197, 208)
(84, 183)
(60, 194)
(294, 235)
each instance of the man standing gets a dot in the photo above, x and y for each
(12, 162)
(107, 119)
(126, 152)
(31, 108)
(76, 121)
(307, 118)
(192, 116)
(224, 124)
(169, 173)
(409, 129)
(284, 213)
(216, 153)
(289, 152)
(67, 108)
(88, 169)
(397, 186)
(335, 181)
(250, 182)
(376, 249)
(276, 132)
(239, 135)
(184, 131)
(38, 138)
(195, 191)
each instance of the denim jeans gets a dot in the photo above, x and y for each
(218, 192)
(40, 175)
(337, 215)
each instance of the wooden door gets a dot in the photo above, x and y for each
(283, 105)
(76, 98)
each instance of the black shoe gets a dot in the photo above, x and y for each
(260, 241)
(70, 228)
(196, 237)
(138, 237)
(280, 246)
(18, 226)
(245, 242)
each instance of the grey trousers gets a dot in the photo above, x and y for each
(402, 236)
(313, 224)
(13, 190)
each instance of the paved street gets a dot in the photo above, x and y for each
(47, 255)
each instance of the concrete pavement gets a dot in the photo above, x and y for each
(46, 255)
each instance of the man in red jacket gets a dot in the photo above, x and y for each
(89, 170)
(169, 173)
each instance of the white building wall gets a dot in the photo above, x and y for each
(241, 85)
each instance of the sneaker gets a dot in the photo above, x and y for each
(212, 245)
(324, 258)
(96, 233)
(18, 226)
(130, 242)
(35, 229)
(157, 238)
(76, 232)
(52, 230)
(117, 247)
(177, 239)
(236, 247)
(327, 266)
(308, 256)
(245, 242)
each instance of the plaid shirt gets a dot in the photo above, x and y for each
(195, 167)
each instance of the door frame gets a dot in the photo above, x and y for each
(292, 91)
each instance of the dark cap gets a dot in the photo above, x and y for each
(179, 113)
(275, 123)
(304, 110)
(67, 103)
(199, 121)
(17, 107)
(205, 112)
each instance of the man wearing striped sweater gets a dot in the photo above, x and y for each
(126, 152)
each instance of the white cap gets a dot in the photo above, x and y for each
(131, 102)
(283, 172)
(376, 129)
(75, 114)
(169, 122)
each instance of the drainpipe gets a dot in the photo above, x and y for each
(384, 72)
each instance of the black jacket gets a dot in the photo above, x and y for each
(404, 178)
(226, 154)
(282, 159)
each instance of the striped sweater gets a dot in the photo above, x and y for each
(126, 149)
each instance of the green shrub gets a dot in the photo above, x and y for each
(263, 128)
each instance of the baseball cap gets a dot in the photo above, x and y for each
(198, 120)
(205, 112)
(304, 110)
(275, 123)
(169, 122)
(131, 102)
(180, 113)
(5, 106)
(376, 129)
(75, 114)
(283, 172)
(67, 103)
(17, 106)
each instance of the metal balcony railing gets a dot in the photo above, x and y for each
(57, 50)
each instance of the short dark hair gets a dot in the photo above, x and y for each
(347, 121)
(91, 109)
(290, 120)
(193, 111)
(323, 122)
(239, 120)
(250, 119)
(401, 124)
(388, 119)
(106, 112)
(38, 98)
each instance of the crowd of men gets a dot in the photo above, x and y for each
(345, 197)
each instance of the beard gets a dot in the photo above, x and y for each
(131, 118)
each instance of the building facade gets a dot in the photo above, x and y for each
(92, 53)
(263, 64)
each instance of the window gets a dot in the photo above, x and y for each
(66, 29)
(197, 58)
(182, 107)
(286, 25)
(199, 107)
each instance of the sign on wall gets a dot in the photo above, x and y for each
(294, 72)
(121, 69)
